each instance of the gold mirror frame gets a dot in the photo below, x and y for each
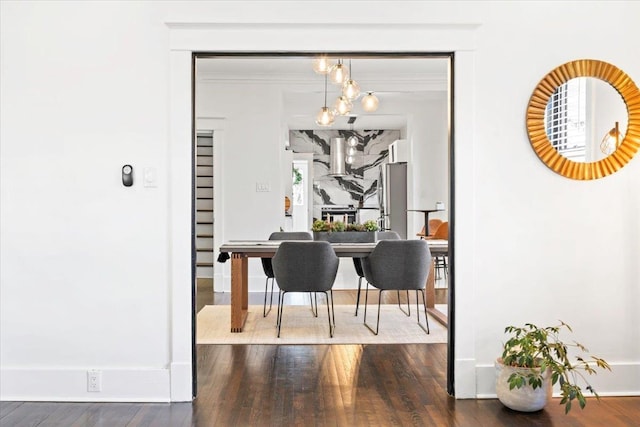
(538, 134)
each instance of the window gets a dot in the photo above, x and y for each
(565, 119)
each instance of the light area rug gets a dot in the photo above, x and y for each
(300, 327)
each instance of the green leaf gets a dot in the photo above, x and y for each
(567, 407)
(582, 400)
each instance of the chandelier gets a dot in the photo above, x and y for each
(350, 90)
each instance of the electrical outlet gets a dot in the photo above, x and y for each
(94, 380)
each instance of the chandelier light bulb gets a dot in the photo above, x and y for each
(322, 65)
(352, 141)
(370, 102)
(339, 73)
(325, 117)
(349, 160)
(351, 89)
(343, 105)
(351, 151)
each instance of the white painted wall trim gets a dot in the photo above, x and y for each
(465, 224)
(181, 385)
(312, 36)
(186, 38)
(70, 385)
(180, 245)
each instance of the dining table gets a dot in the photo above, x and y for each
(242, 250)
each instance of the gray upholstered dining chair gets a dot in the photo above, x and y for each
(268, 268)
(305, 267)
(397, 265)
(357, 262)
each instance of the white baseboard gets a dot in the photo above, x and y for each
(623, 380)
(465, 380)
(181, 382)
(221, 283)
(65, 385)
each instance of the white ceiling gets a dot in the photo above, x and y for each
(394, 79)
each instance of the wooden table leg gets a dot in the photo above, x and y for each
(431, 285)
(239, 291)
(431, 296)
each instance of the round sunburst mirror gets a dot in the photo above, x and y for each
(583, 119)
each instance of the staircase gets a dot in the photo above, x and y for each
(204, 206)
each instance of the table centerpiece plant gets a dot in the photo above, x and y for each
(534, 359)
(339, 232)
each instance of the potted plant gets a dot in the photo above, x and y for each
(533, 360)
(339, 232)
(320, 225)
(370, 225)
(355, 227)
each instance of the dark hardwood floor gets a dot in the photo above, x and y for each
(320, 385)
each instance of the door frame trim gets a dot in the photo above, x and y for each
(186, 37)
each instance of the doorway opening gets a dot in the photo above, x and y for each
(225, 63)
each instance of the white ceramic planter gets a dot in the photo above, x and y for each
(524, 399)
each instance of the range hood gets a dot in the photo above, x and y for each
(337, 157)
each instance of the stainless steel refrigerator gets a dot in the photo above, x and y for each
(392, 196)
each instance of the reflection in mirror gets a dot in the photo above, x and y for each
(610, 129)
(585, 119)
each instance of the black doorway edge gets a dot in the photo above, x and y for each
(451, 219)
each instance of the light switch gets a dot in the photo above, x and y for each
(262, 187)
(150, 177)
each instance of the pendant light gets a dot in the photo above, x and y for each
(352, 143)
(350, 88)
(322, 64)
(350, 154)
(343, 105)
(370, 102)
(339, 73)
(325, 116)
(611, 140)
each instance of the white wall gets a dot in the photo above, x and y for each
(429, 165)
(540, 238)
(605, 107)
(84, 267)
(89, 269)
